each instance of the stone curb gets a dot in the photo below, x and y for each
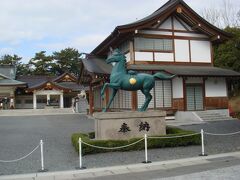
(115, 170)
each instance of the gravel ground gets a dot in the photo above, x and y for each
(19, 135)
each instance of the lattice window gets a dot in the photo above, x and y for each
(149, 44)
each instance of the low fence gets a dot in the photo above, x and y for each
(27, 155)
(145, 139)
(146, 146)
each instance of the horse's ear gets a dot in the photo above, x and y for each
(111, 50)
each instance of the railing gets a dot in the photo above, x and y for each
(146, 146)
(145, 138)
(27, 155)
(121, 147)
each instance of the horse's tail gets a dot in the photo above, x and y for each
(163, 76)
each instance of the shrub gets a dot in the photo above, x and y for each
(152, 143)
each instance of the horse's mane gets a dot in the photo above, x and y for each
(118, 52)
(124, 58)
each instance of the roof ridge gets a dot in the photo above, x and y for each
(170, 1)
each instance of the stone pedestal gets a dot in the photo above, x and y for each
(129, 124)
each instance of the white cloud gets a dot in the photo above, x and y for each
(83, 24)
(27, 20)
(83, 43)
(86, 43)
(22, 20)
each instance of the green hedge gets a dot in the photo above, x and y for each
(152, 143)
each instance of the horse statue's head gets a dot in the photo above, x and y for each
(116, 56)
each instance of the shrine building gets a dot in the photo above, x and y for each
(175, 40)
(36, 91)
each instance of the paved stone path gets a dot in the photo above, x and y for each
(19, 135)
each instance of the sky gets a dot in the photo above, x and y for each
(30, 26)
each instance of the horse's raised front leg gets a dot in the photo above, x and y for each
(115, 88)
(148, 98)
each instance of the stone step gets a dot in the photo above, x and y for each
(219, 119)
(209, 116)
(214, 115)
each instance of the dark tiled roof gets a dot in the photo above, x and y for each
(58, 78)
(35, 80)
(7, 81)
(96, 65)
(188, 70)
(159, 11)
(71, 85)
(168, 6)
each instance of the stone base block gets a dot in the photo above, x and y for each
(129, 124)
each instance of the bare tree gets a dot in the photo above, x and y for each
(212, 16)
(227, 15)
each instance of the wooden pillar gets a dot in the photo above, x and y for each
(134, 101)
(131, 51)
(204, 93)
(184, 94)
(91, 99)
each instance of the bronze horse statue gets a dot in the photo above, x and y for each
(129, 81)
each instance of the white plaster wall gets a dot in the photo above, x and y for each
(155, 32)
(166, 24)
(164, 57)
(181, 50)
(194, 80)
(177, 84)
(215, 87)
(127, 57)
(7, 91)
(190, 34)
(143, 56)
(200, 51)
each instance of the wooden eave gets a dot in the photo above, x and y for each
(188, 15)
(62, 77)
(53, 85)
(13, 85)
